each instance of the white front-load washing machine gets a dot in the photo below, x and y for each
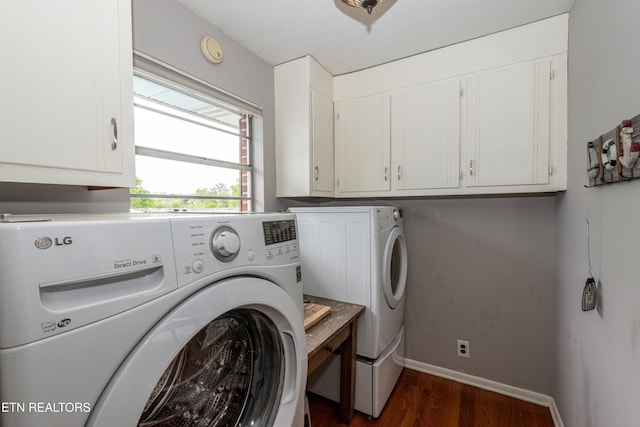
(358, 254)
(188, 320)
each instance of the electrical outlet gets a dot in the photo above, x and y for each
(463, 348)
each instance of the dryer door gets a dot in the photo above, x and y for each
(232, 354)
(394, 268)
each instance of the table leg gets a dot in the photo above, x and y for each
(348, 375)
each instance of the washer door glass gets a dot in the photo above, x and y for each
(230, 373)
(394, 268)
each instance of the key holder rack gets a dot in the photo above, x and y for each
(614, 156)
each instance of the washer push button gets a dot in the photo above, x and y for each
(198, 266)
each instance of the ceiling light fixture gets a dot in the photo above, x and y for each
(365, 4)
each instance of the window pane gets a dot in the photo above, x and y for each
(159, 204)
(160, 176)
(176, 131)
(156, 130)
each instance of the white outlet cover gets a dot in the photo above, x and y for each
(463, 348)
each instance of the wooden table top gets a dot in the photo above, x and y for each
(342, 313)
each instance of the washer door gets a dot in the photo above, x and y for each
(394, 268)
(232, 354)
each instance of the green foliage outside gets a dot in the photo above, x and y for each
(218, 190)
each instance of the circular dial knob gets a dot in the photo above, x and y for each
(225, 243)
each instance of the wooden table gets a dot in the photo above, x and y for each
(336, 331)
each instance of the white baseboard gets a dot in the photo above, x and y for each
(505, 389)
(555, 413)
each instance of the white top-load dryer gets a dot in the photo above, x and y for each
(151, 320)
(358, 254)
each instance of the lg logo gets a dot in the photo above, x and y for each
(64, 323)
(46, 242)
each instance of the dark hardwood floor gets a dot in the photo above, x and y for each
(421, 400)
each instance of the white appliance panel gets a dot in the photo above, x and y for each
(374, 381)
(64, 275)
(357, 244)
(117, 277)
(343, 250)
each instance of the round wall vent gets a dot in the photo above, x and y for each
(211, 49)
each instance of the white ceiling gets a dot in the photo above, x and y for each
(346, 39)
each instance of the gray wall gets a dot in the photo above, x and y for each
(170, 32)
(598, 354)
(482, 270)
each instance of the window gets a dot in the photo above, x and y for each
(193, 151)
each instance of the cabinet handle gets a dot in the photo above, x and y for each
(399, 176)
(114, 123)
(316, 173)
(386, 169)
(471, 167)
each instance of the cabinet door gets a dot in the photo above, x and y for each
(508, 126)
(426, 137)
(322, 141)
(363, 145)
(62, 91)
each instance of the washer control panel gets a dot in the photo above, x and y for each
(280, 238)
(210, 245)
(279, 231)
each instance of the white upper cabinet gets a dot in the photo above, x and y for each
(487, 116)
(304, 129)
(426, 138)
(362, 137)
(67, 101)
(400, 144)
(508, 126)
(322, 143)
